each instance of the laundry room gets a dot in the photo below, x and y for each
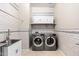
(39, 29)
(42, 27)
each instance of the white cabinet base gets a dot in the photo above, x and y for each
(13, 50)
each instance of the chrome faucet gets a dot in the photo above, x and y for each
(7, 37)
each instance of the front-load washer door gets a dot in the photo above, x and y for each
(50, 41)
(38, 41)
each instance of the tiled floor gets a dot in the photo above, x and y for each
(42, 53)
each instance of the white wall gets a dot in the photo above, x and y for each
(15, 17)
(42, 9)
(67, 18)
(8, 20)
(24, 10)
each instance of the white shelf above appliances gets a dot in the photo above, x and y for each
(42, 15)
(42, 19)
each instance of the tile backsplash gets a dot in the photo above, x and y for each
(2, 37)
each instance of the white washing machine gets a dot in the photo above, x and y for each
(37, 42)
(50, 42)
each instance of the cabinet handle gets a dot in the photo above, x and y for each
(16, 50)
(77, 43)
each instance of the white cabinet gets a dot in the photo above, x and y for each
(69, 43)
(74, 44)
(13, 50)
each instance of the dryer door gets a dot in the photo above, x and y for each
(50, 41)
(38, 41)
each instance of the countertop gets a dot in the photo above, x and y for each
(10, 42)
(2, 44)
